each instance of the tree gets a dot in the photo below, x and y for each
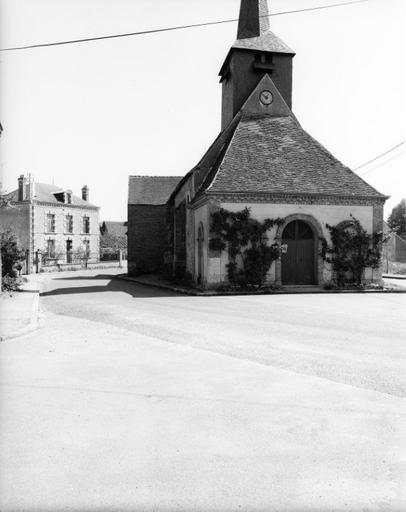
(11, 254)
(397, 219)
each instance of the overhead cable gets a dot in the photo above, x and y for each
(383, 163)
(379, 156)
(168, 29)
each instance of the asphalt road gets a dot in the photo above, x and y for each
(133, 398)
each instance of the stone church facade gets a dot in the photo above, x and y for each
(264, 160)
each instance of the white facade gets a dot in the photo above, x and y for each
(316, 216)
(70, 240)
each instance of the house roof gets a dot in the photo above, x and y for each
(151, 190)
(45, 193)
(114, 228)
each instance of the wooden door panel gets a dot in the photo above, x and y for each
(298, 261)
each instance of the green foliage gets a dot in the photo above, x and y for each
(11, 254)
(250, 257)
(353, 250)
(397, 219)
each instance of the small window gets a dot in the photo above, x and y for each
(86, 225)
(50, 223)
(69, 224)
(51, 249)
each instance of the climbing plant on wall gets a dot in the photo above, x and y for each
(250, 256)
(352, 251)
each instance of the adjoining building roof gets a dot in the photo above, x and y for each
(114, 228)
(151, 190)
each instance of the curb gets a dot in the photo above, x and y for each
(33, 323)
(196, 293)
(393, 276)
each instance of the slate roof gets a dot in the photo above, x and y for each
(266, 42)
(275, 155)
(151, 190)
(45, 193)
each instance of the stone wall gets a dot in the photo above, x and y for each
(216, 270)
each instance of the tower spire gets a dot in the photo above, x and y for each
(254, 18)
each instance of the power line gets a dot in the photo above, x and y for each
(383, 163)
(379, 156)
(169, 29)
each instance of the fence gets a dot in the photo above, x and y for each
(107, 254)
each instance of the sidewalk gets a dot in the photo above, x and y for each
(19, 312)
(157, 281)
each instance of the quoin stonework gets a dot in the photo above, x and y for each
(262, 159)
(55, 227)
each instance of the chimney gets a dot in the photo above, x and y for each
(21, 182)
(85, 193)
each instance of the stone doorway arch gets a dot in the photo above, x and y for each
(297, 221)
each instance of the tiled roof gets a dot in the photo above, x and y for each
(151, 190)
(114, 228)
(275, 155)
(266, 42)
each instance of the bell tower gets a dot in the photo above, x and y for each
(257, 52)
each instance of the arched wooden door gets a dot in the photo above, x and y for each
(298, 262)
(200, 259)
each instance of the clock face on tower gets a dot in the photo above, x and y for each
(266, 97)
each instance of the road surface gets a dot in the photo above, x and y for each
(130, 398)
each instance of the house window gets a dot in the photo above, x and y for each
(50, 223)
(86, 248)
(86, 225)
(51, 249)
(69, 224)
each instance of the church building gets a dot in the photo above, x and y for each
(263, 160)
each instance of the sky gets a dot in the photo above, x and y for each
(98, 112)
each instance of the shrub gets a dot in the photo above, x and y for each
(250, 257)
(353, 250)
